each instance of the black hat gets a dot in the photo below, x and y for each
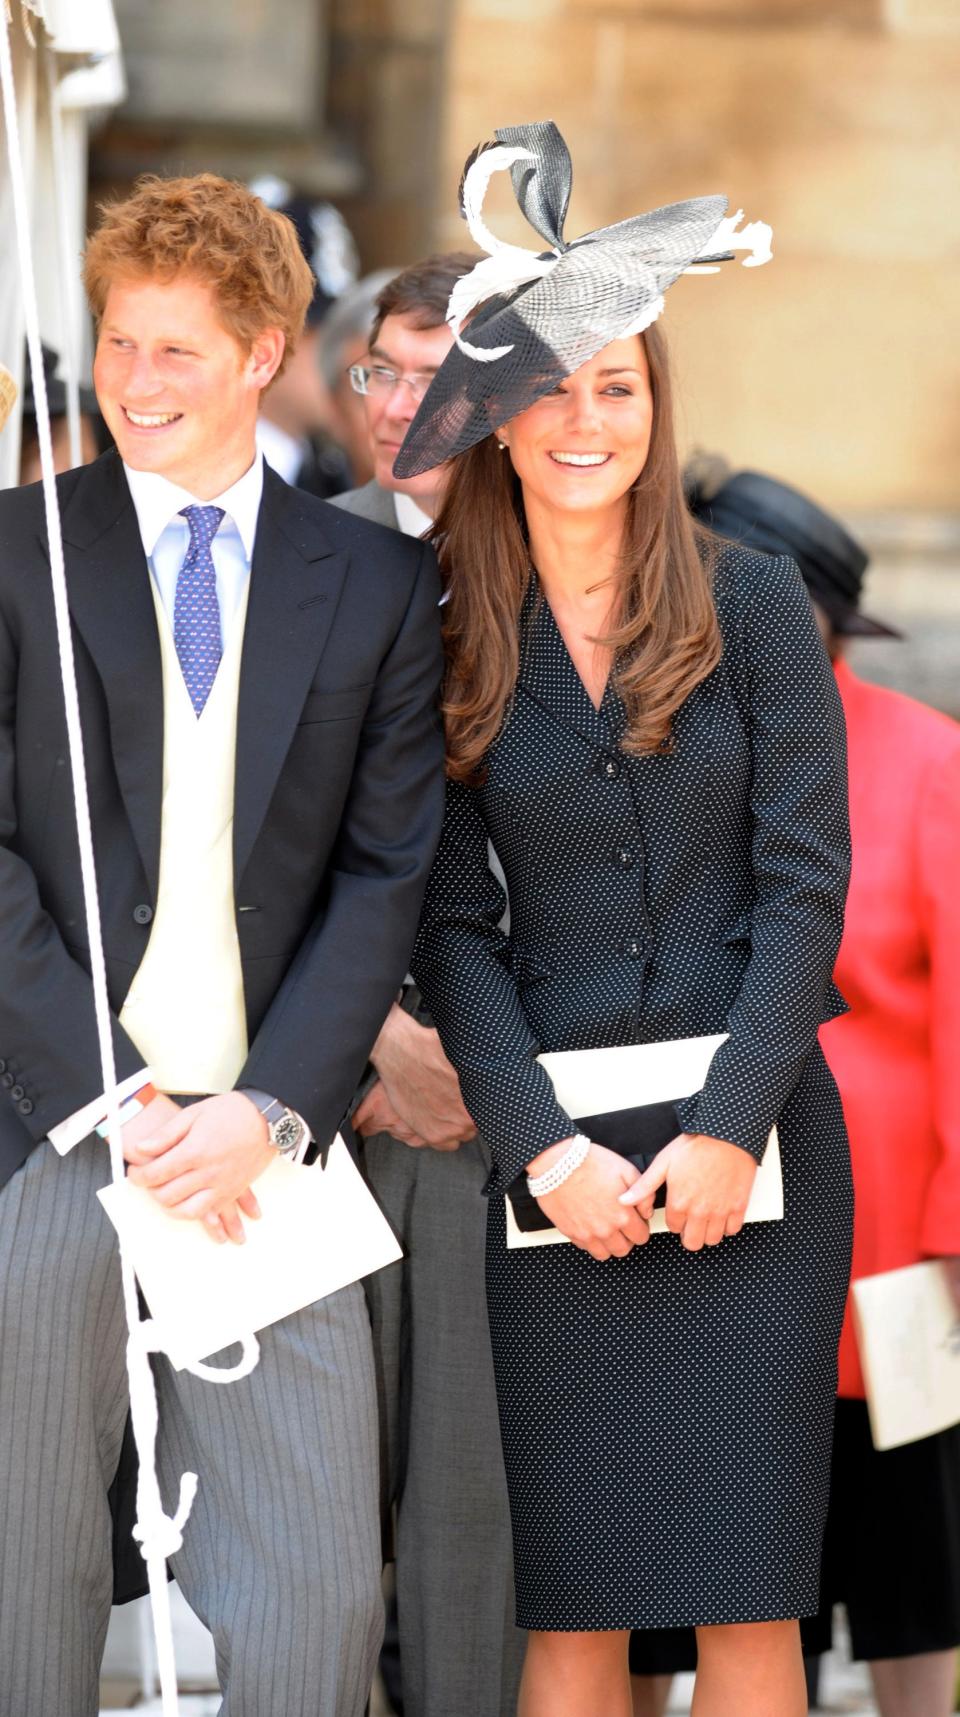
(56, 390)
(534, 317)
(773, 517)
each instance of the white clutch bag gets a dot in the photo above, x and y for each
(624, 1098)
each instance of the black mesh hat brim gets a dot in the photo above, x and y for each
(598, 289)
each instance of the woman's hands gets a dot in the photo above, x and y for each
(586, 1207)
(708, 1185)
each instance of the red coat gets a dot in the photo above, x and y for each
(896, 1055)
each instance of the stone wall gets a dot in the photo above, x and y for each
(836, 120)
(835, 366)
(385, 98)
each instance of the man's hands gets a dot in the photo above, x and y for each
(417, 1096)
(199, 1162)
(708, 1185)
(586, 1206)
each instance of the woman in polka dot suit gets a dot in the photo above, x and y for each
(646, 728)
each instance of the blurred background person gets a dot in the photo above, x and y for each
(892, 1543)
(345, 341)
(94, 434)
(459, 1650)
(293, 429)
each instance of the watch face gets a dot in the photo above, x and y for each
(287, 1133)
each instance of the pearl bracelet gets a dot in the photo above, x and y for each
(563, 1168)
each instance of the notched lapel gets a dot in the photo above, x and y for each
(108, 584)
(295, 584)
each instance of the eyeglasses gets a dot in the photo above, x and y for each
(379, 381)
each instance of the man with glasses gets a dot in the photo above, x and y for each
(459, 1649)
(408, 342)
(344, 340)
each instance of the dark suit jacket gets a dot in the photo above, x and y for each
(339, 791)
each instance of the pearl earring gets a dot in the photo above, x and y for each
(501, 445)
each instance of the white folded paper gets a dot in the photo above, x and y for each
(909, 1338)
(319, 1230)
(600, 1081)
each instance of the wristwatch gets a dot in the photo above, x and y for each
(284, 1125)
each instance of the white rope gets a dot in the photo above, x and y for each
(69, 356)
(159, 1534)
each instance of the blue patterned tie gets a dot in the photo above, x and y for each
(196, 611)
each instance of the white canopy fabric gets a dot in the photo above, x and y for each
(67, 68)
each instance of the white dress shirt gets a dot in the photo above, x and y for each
(166, 536)
(411, 519)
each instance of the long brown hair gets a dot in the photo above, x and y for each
(667, 638)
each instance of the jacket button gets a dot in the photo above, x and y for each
(7, 1081)
(624, 858)
(17, 1092)
(142, 914)
(25, 1107)
(633, 950)
(608, 766)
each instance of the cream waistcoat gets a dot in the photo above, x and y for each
(185, 1010)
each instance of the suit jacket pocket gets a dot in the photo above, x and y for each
(740, 931)
(740, 936)
(529, 967)
(833, 1004)
(350, 701)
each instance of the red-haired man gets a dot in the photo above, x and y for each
(257, 678)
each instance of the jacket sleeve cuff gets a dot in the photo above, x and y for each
(702, 1113)
(517, 1116)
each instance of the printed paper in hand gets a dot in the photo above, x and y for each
(909, 1338)
(320, 1229)
(599, 1081)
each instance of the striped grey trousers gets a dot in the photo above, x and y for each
(281, 1554)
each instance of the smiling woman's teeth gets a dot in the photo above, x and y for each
(155, 421)
(580, 458)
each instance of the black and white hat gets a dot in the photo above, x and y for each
(534, 317)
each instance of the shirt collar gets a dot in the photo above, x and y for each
(411, 518)
(157, 501)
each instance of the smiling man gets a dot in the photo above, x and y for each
(257, 679)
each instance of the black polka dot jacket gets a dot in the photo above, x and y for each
(695, 891)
